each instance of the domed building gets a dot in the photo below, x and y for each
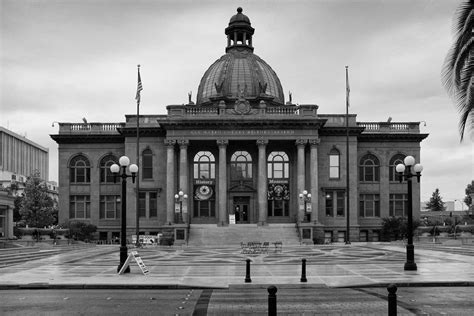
(239, 164)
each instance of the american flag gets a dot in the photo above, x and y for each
(348, 89)
(139, 85)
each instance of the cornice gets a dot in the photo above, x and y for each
(144, 131)
(89, 138)
(340, 131)
(240, 123)
(399, 137)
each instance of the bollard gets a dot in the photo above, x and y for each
(247, 272)
(272, 300)
(392, 300)
(303, 271)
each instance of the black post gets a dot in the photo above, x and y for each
(247, 272)
(272, 300)
(303, 271)
(392, 300)
(123, 219)
(410, 264)
(348, 226)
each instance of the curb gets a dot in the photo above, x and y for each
(79, 286)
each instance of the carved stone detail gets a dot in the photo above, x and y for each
(222, 142)
(183, 142)
(314, 141)
(301, 142)
(170, 142)
(262, 142)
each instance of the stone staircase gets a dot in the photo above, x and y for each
(212, 235)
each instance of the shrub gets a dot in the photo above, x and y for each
(395, 228)
(80, 230)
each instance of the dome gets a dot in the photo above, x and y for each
(239, 17)
(239, 73)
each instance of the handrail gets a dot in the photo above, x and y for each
(298, 231)
(188, 228)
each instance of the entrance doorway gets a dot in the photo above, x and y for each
(241, 209)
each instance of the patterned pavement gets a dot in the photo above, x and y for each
(329, 265)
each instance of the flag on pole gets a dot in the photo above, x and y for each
(348, 89)
(139, 85)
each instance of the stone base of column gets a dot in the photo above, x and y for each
(262, 223)
(222, 224)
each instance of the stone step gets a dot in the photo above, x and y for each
(212, 235)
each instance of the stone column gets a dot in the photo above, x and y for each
(170, 181)
(222, 183)
(262, 185)
(184, 176)
(300, 173)
(314, 176)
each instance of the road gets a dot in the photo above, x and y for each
(240, 300)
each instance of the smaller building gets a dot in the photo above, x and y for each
(19, 158)
(6, 214)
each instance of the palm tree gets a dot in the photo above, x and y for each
(458, 74)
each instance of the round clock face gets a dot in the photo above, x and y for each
(204, 192)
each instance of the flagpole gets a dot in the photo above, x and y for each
(137, 193)
(348, 238)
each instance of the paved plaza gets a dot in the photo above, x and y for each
(353, 277)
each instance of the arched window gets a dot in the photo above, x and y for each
(397, 159)
(369, 169)
(106, 175)
(241, 166)
(204, 174)
(278, 165)
(204, 165)
(278, 168)
(334, 164)
(147, 164)
(80, 170)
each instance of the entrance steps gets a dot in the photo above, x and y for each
(213, 235)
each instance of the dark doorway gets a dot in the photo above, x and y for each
(241, 209)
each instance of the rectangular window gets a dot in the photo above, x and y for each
(106, 176)
(79, 206)
(392, 174)
(335, 203)
(277, 170)
(369, 205)
(153, 204)
(398, 205)
(334, 166)
(109, 207)
(204, 208)
(142, 204)
(147, 167)
(341, 205)
(329, 204)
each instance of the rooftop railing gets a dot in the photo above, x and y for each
(89, 128)
(215, 111)
(388, 127)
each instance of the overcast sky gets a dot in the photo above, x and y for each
(65, 60)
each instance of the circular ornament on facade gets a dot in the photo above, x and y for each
(242, 106)
(204, 192)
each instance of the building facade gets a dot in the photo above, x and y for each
(240, 154)
(19, 158)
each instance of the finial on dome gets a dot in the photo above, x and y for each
(239, 10)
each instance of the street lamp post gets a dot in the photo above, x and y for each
(121, 171)
(179, 198)
(406, 171)
(305, 197)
